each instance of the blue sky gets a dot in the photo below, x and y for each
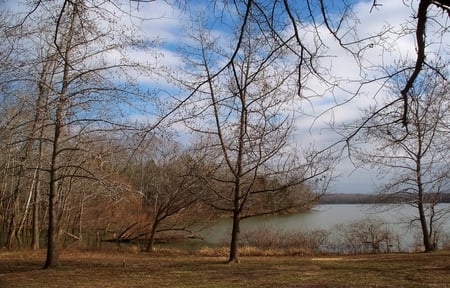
(393, 15)
(168, 24)
(315, 129)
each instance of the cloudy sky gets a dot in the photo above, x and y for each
(168, 25)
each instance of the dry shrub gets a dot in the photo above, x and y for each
(255, 251)
(132, 249)
(272, 238)
(212, 252)
(166, 251)
(368, 235)
(249, 251)
(300, 252)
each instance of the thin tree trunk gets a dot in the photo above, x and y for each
(36, 230)
(80, 218)
(36, 200)
(52, 233)
(28, 203)
(13, 220)
(234, 245)
(151, 240)
(52, 244)
(41, 105)
(53, 229)
(427, 243)
(11, 231)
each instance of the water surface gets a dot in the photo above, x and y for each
(327, 217)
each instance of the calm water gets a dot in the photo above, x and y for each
(326, 217)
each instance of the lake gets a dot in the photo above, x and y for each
(328, 217)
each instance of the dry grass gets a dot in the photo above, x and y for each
(166, 269)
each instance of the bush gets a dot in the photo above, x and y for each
(368, 235)
(212, 252)
(272, 238)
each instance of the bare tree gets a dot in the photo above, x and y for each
(78, 90)
(368, 235)
(293, 30)
(414, 160)
(161, 175)
(243, 121)
(303, 28)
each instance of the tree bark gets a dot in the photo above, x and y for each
(53, 229)
(11, 231)
(13, 220)
(427, 243)
(35, 223)
(52, 244)
(151, 240)
(234, 245)
(52, 241)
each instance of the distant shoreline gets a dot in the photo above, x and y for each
(359, 198)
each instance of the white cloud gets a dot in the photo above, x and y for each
(165, 22)
(393, 17)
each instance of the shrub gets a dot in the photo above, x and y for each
(368, 235)
(269, 237)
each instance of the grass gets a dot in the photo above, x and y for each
(88, 269)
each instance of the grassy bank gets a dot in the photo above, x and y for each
(83, 269)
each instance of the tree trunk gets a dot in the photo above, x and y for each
(11, 230)
(52, 233)
(35, 223)
(36, 233)
(52, 244)
(35, 245)
(53, 230)
(234, 245)
(427, 243)
(151, 240)
(27, 205)
(13, 220)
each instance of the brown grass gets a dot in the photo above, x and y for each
(166, 269)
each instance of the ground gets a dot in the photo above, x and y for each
(92, 269)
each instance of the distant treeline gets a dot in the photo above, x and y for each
(355, 198)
